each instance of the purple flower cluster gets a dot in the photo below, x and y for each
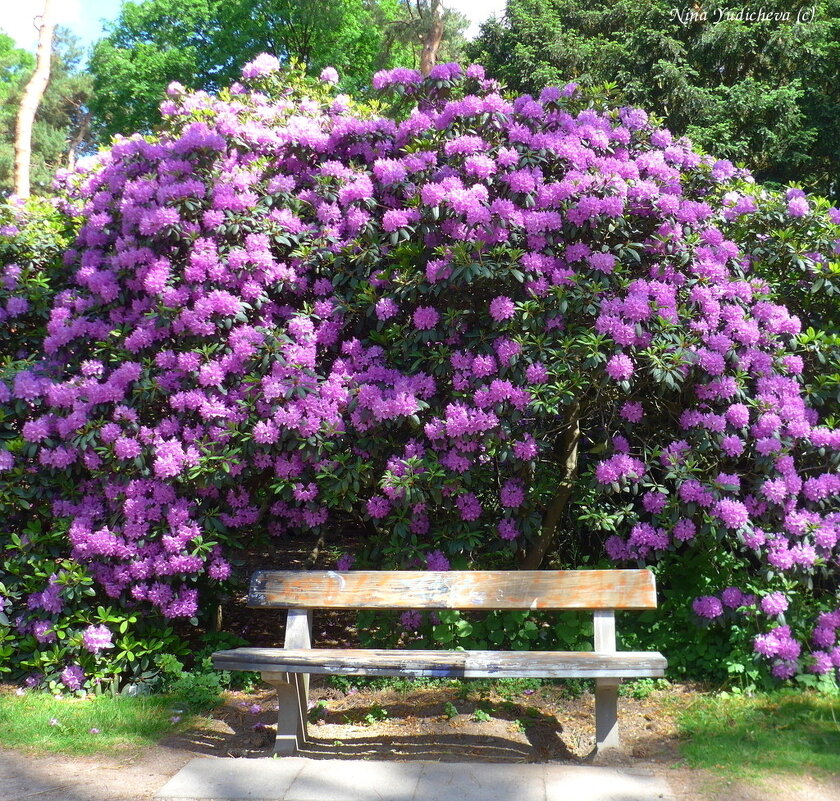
(96, 639)
(72, 677)
(265, 64)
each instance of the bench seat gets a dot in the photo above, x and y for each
(445, 664)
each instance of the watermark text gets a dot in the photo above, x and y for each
(691, 15)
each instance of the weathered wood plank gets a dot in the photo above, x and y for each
(467, 589)
(455, 664)
(604, 631)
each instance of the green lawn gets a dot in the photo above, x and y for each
(84, 726)
(792, 732)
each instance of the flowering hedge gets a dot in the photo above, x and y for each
(52, 615)
(439, 316)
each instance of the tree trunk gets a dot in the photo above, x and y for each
(31, 100)
(78, 138)
(534, 553)
(432, 36)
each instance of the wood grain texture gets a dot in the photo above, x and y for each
(604, 624)
(465, 589)
(452, 664)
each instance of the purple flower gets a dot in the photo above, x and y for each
(400, 76)
(512, 494)
(732, 597)
(602, 262)
(684, 530)
(733, 513)
(506, 349)
(620, 367)
(389, 171)
(263, 64)
(425, 318)
(436, 561)
(378, 507)
(536, 373)
(43, 631)
(386, 308)
(345, 561)
(329, 75)
(707, 606)
(732, 446)
(96, 639)
(774, 604)
(619, 467)
(468, 506)
(72, 677)
(411, 620)
(526, 448)
(785, 670)
(798, 207)
(502, 308)
(250, 273)
(479, 166)
(16, 306)
(822, 662)
(633, 118)
(394, 219)
(632, 412)
(654, 502)
(507, 529)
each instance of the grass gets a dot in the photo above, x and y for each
(97, 724)
(793, 732)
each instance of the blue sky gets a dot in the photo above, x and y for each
(85, 17)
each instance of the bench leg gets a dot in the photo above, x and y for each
(606, 714)
(292, 695)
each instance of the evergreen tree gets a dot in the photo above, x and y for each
(755, 88)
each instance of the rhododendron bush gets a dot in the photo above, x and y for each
(51, 614)
(439, 317)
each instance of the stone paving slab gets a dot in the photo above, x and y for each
(300, 779)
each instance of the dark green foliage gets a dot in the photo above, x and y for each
(762, 92)
(506, 630)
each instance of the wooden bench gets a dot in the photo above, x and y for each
(599, 591)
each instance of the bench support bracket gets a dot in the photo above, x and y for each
(606, 714)
(292, 688)
(606, 690)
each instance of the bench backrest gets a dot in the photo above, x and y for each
(464, 589)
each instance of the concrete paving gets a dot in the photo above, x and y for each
(299, 779)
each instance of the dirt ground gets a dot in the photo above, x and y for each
(432, 723)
